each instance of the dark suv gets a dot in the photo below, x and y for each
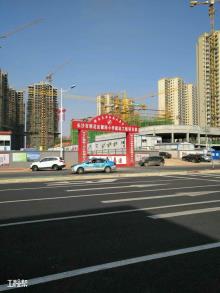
(165, 155)
(152, 161)
(196, 158)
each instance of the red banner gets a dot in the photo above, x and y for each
(82, 145)
(103, 127)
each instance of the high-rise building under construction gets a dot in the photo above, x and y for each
(208, 78)
(42, 119)
(121, 106)
(11, 112)
(15, 117)
(3, 99)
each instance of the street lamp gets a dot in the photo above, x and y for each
(61, 118)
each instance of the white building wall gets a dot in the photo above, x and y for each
(207, 116)
(176, 98)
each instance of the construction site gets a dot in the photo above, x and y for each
(127, 109)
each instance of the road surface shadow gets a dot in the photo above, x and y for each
(40, 249)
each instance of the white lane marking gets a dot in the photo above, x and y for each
(82, 183)
(196, 193)
(187, 177)
(71, 196)
(92, 182)
(113, 187)
(62, 185)
(196, 177)
(101, 194)
(117, 264)
(205, 177)
(107, 180)
(184, 213)
(107, 213)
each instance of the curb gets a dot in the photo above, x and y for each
(102, 176)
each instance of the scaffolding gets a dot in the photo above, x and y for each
(214, 96)
(42, 124)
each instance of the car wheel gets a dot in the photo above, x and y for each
(108, 170)
(80, 170)
(55, 167)
(34, 168)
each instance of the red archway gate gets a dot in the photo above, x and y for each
(105, 123)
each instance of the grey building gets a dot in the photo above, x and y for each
(42, 119)
(3, 100)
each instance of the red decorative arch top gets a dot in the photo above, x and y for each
(108, 119)
(105, 122)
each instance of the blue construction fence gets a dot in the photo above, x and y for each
(216, 155)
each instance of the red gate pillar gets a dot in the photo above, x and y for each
(82, 145)
(130, 156)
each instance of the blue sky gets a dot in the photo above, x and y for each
(114, 45)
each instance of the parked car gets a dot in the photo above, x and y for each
(197, 158)
(54, 163)
(206, 158)
(152, 161)
(94, 165)
(165, 155)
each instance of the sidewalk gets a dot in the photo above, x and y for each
(6, 169)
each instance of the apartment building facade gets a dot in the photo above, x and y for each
(16, 117)
(177, 101)
(3, 100)
(208, 79)
(42, 118)
(12, 112)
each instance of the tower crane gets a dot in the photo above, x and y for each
(211, 4)
(21, 28)
(49, 76)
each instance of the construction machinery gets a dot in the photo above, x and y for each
(49, 76)
(211, 4)
(128, 109)
(21, 28)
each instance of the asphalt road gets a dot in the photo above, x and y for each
(143, 234)
(152, 169)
